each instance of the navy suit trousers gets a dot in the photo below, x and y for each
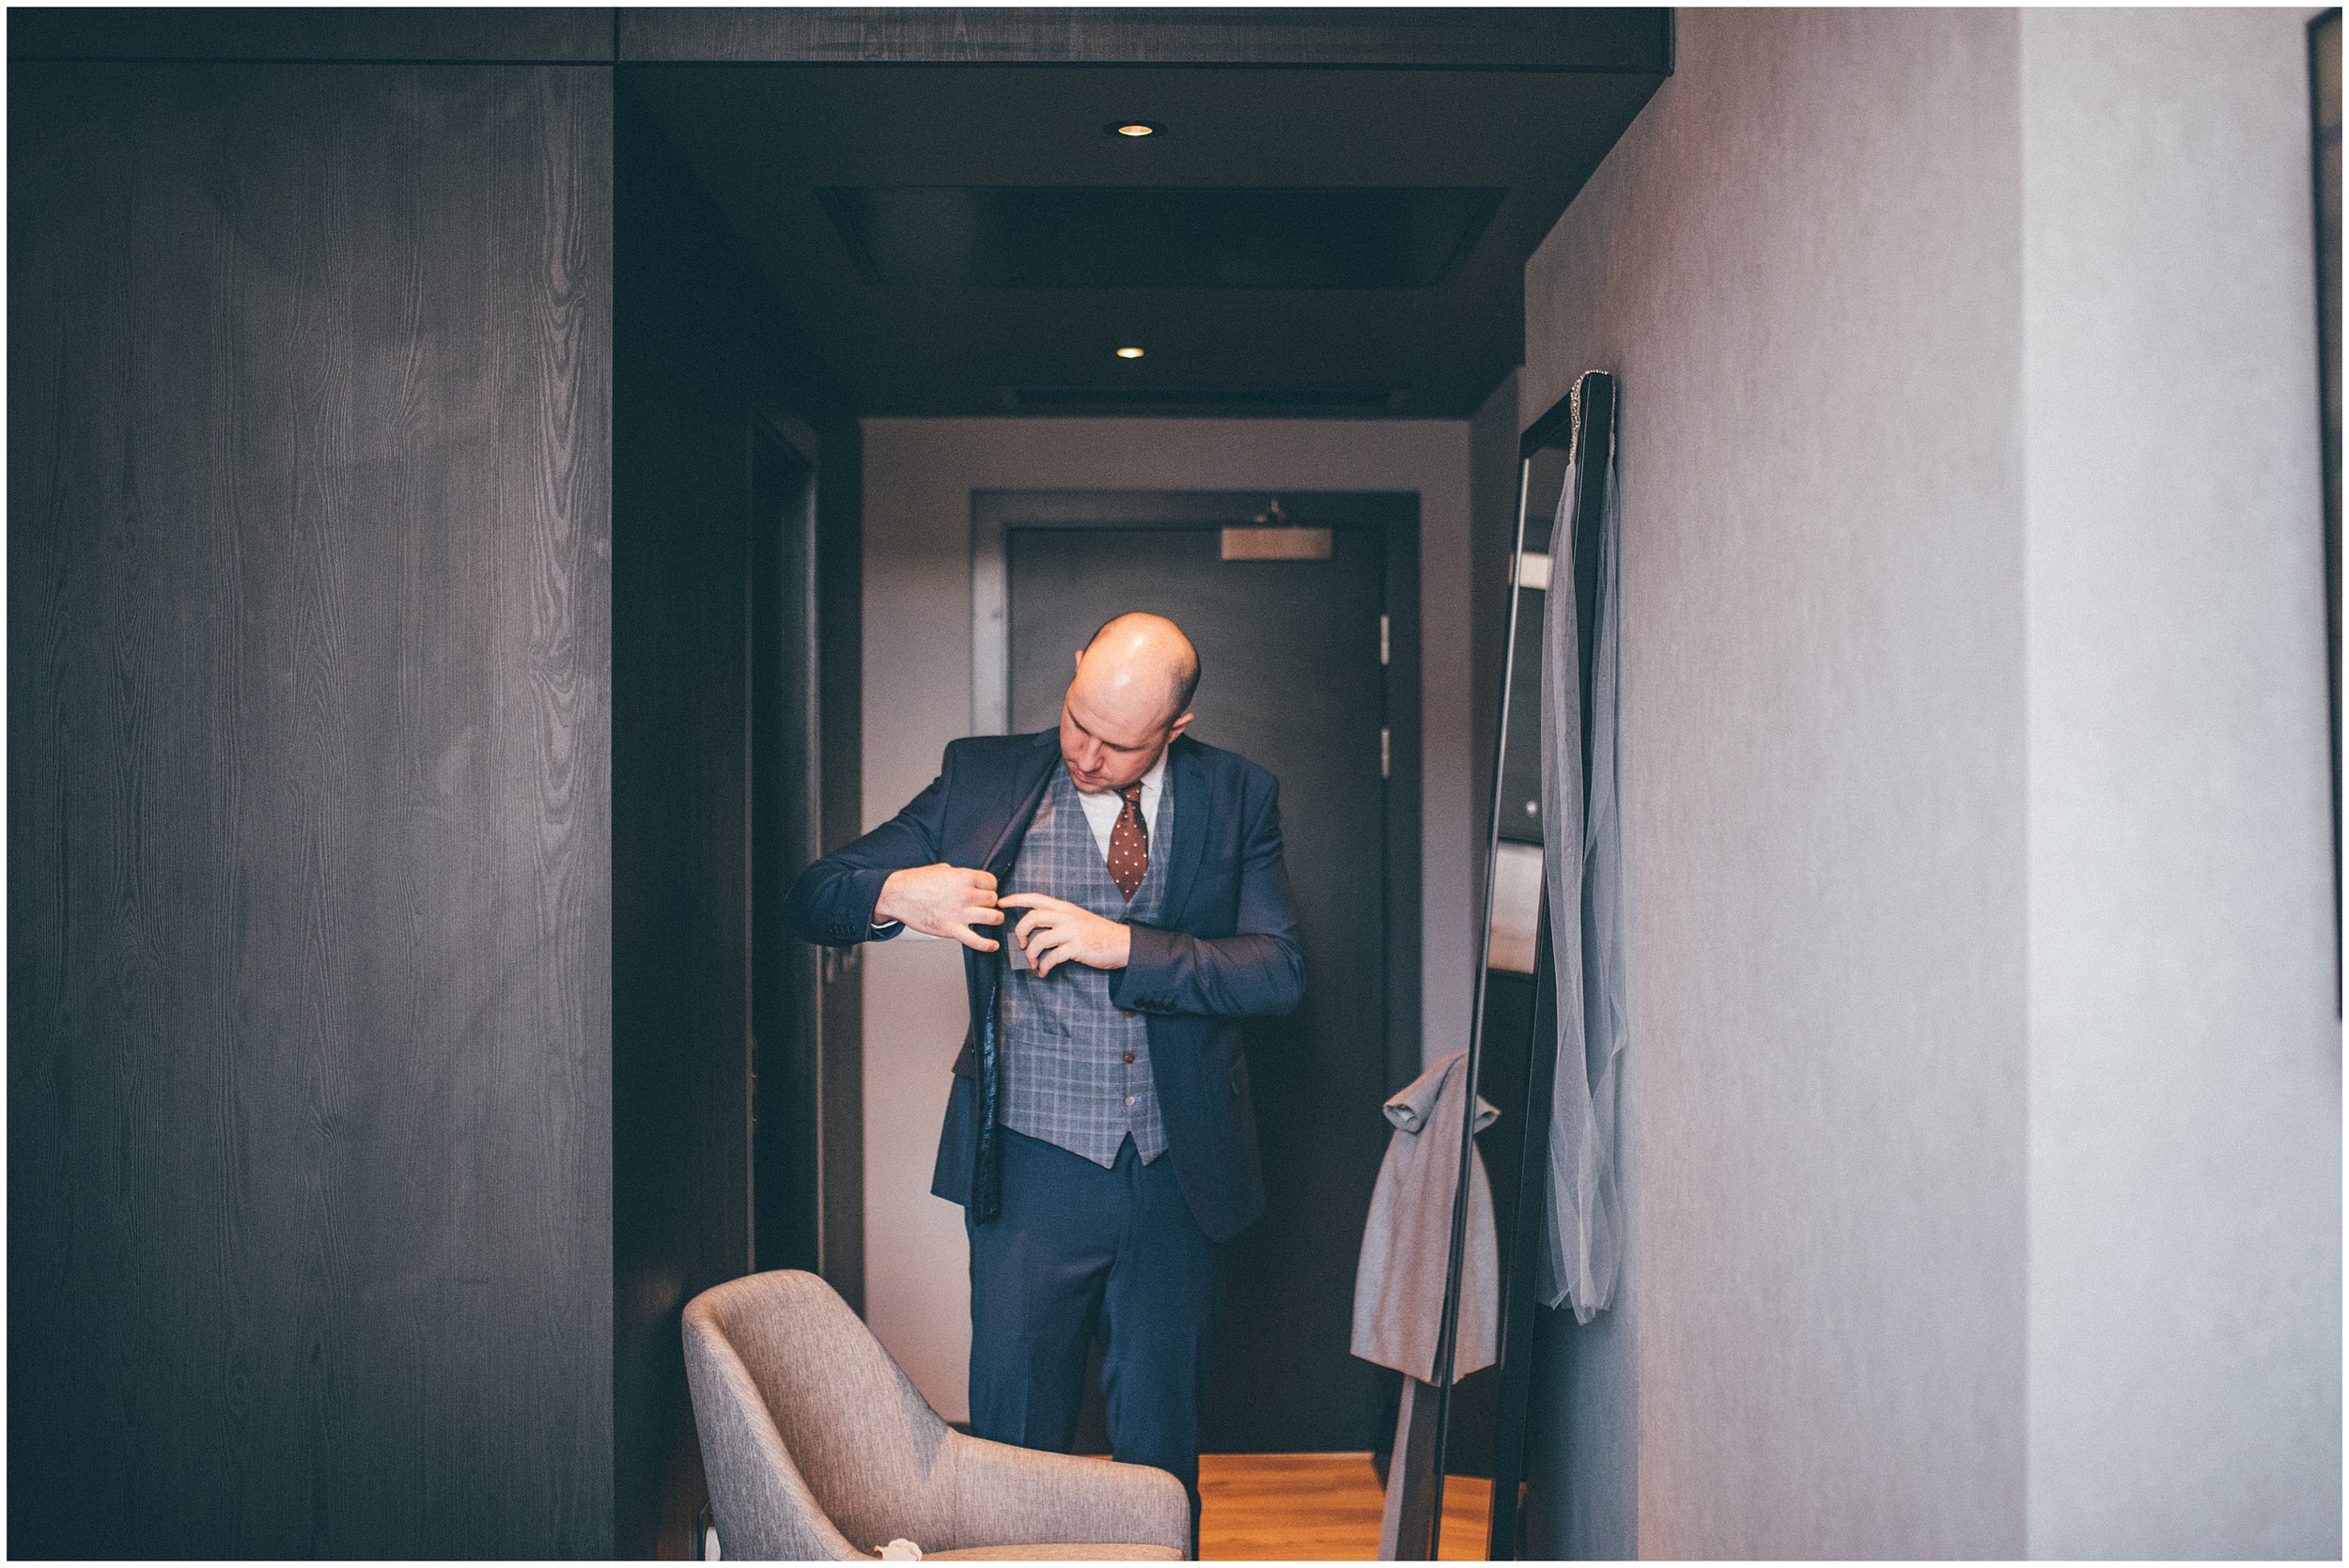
(1078, 1246)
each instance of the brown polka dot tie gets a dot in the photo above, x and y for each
(1129, 844)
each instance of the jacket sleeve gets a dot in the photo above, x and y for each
(1257, 972)
(833, 900)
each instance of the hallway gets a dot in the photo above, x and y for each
(497, 493)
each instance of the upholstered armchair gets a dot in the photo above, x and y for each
(817, 1447)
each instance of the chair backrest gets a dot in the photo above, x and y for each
(816, 1444)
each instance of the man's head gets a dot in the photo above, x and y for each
(1131, 697)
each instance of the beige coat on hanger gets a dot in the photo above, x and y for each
(1407, 1242)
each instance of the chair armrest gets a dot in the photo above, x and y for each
(1005, 1496)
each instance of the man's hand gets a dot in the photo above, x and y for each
(1054, 930)
(943, 901)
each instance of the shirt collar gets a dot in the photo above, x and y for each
(1153, 780)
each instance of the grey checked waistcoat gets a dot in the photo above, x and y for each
(1076, 1066)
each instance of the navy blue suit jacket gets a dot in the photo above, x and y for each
(1225, 947)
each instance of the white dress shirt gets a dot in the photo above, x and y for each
(1101, 808)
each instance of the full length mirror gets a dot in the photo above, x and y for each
(1557, 566)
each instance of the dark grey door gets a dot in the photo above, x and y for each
(1293, 680)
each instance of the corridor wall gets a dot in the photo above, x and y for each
(1981, 1114)
(701, 338)
(375, 1087)
(1801, 263)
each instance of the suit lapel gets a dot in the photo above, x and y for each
(1029, 784)
(1188, 785)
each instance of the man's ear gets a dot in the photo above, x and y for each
(1080, 659)
(1178, 726)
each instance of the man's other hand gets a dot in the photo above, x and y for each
(1054, 930)
(941, 900)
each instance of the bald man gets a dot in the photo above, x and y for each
(1099, 1132)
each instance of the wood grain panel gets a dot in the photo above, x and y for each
(1537, 38)
(511, 34)
(309, 893)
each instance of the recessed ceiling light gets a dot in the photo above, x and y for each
(1135, 128)
(1128, 353)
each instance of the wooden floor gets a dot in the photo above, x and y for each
(1293, 1507)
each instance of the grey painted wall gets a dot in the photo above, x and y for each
(919, 475)
(1802, 262)
(2185, 1152)
(1982, 1111)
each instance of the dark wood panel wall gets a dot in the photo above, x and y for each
(316, 670)
(701, 343)
(309, 1117)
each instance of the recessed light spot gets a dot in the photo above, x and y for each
(1128, 353)
(1136, 127)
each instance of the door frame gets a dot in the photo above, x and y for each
(1394, 515)
(811, 975)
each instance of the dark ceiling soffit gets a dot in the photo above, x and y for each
(1600, 41)
(1159, 236)
(1636, 41)
(418, 35)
